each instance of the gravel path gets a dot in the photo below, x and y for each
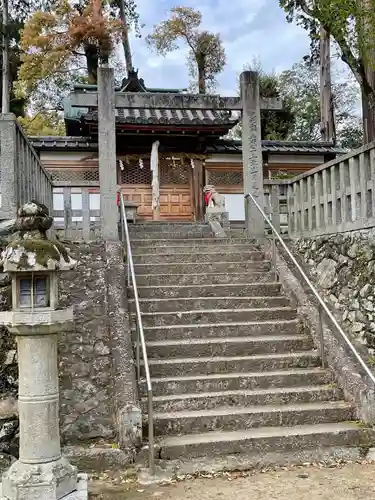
(346, 482)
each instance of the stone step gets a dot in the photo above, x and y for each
(197, 267)
(244, 418)
(182, 235)
(217, 315)
(145, 234)
(227, 364)
(198, 257)
(191, 384)
(167, 226)
(203, 303)
(265, 439)
(236, 346)
(204, 290)
(187, 248)
(166, 244)
(206, 278)
(219, 330)
(243, 398)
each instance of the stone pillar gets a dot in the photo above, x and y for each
(8, 182)
(107, 154)
(37, 354)
(252, 152)
(41, 473)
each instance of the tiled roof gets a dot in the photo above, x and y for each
(189, 117)
(63, 142)
(219, 147)
(231, 146)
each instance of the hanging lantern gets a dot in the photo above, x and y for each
(141, 163)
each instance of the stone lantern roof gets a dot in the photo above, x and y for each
(32, 251)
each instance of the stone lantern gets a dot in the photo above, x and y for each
(33, 262)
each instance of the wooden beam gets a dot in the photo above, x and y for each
(168, 101)
(198, 185)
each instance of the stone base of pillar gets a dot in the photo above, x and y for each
(218, 220)
(50, 481)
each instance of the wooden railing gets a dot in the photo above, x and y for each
(23, 177)
(76, 212)
(337, 196)
(276, 203)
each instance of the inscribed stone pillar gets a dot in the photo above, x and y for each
(252, 152)
(107, 154)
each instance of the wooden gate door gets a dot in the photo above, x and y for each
(136, 185)
(175, 193)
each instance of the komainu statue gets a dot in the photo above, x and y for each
(212, 198)
(216, 214)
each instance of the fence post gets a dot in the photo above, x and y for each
(85, 214)
(275, 206)
(8, 161)
(67, 212)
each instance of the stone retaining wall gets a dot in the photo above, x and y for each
(84, 352)
(343, 267)
(97, 378)
(98, 396)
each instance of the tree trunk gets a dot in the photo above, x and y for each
(5, 97)
(327, 118)
(201, 77)
(125, 38)
(368, 57)
(368, 117)
(92, 61)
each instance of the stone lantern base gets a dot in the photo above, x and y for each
(50, 481)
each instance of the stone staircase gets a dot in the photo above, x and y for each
(234, 371)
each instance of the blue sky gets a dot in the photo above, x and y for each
(249, 29)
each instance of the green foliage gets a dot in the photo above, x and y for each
(61, 45)
(351, 23)
(299, 88)
(275, 125)
(301, 85)
(206, 58)
(17, 105)
(43, 123)
(351, 137)
(282, 174)
(51, 42)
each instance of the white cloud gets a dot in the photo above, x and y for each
(249, 28)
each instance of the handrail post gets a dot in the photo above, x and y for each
(151, 451)
(274, 264)
(137, 356)
(321, 336)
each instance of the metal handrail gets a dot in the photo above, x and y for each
(322, 304)
(140, 340)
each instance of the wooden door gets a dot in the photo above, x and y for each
(175, 193)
